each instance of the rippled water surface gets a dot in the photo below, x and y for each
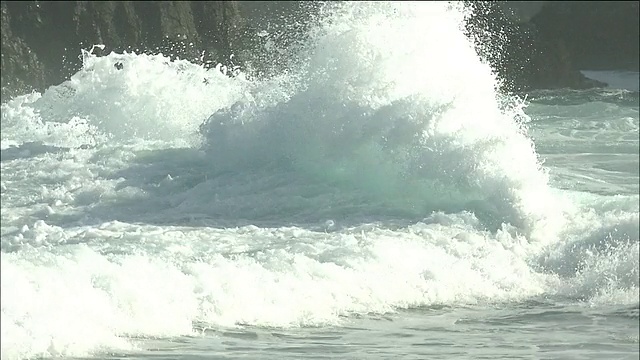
(378, 199)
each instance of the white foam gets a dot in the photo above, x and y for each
(139, 233)
(375, 107)
(151, 98)
(157, 281)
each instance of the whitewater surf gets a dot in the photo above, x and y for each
(378, 197)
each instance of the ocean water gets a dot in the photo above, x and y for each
(377, 199)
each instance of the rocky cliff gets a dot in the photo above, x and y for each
(597, 35)
(539, 44)
(41, 40)
(545, 44)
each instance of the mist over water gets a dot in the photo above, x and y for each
(379, 170)
(366, 106)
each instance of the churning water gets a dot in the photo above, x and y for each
(378, 198)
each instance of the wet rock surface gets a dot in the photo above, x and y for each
(542, 44)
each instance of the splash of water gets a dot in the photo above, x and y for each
(387, 101)
(394, 92)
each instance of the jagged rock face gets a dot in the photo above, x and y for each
(41, 41)
(573, 36)
(21, 68)
(597, 35)
(547, 42)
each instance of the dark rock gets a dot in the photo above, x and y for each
(598, 35)
(274, 30)
(504, 41)
(549, 42)
(526, 45)
(540, 44)
(552, 66)
(42, 41)
(220, 27)
(21, 68)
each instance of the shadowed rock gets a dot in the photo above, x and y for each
(539, 44)
(42, 41)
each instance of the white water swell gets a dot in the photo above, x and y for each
(382, 172)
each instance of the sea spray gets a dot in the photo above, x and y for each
(394, 92)
(356, 183)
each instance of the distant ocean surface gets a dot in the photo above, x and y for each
(377, 199)
(623, 79)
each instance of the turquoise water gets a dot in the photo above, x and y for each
(377, 199)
